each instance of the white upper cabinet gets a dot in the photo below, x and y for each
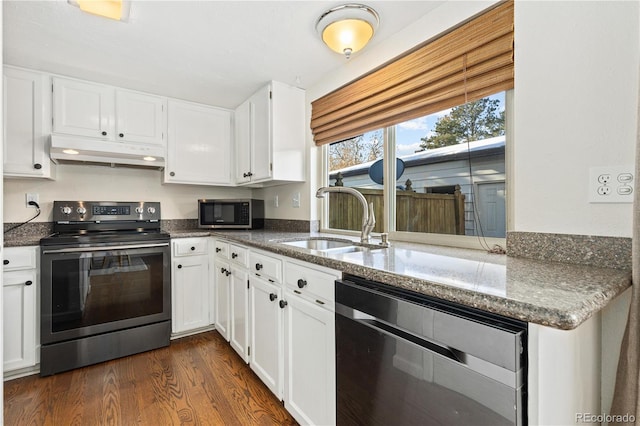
(198, 144)
(83, 109)
(27, 123)
(107, 113)
(140, 117)
(270, 136)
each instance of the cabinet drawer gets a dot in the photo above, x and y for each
(266, 266)
(16, 258)
(189, 246)
(311, 282)
(221, 249)
(239, 255)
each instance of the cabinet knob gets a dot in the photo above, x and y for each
(222, 270)
(37, 166)
(282, 304)
(273, 296)
(179, 266)
(5, 262)
(121, 135)
(28, 282)
(258, 266)
(172, 174)
(227, 273)
(193, 248)
(104, 133)
(218, 249)
(234, 255)
(301, 283)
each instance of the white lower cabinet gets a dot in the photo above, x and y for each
(190, 285)
(20, 313)
(239, 324)
(309, 359)
(223, 297)
(266, 333)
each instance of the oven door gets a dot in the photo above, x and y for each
(93, 290)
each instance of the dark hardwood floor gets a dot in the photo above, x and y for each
(198, 380)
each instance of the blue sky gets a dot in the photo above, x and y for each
(408, 134)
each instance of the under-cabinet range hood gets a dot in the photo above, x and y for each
(71, 149)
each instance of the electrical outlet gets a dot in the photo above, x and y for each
(612, 184)
(31, 197)
(276, 203)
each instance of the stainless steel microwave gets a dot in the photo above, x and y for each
(231, 214)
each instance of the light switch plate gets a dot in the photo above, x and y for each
(611, 184)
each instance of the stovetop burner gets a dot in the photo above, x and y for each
(103, 238)
(84, 223)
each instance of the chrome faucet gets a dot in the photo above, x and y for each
(368, 217)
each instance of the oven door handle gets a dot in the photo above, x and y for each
(103, 248)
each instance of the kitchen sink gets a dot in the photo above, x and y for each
(332, 246)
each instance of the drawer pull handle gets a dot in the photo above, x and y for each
(5, 262)
(319, 302)
(301, 283)
(282, 304)
(297, 292)
(258, 266)
(28, 282)
(234, 255)
(218, 249)
(104, 133)
(193, 248)
(273, 296)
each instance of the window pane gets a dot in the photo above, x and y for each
(355, 163)
(454, 171)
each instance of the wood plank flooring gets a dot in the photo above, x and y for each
(197, 380)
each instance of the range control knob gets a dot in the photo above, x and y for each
(66, 210)
(81, 210)
(139, 210)
(151, 210)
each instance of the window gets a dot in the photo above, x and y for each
(450, 175)
(458, 71)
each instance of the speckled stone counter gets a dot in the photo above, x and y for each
(550, 293)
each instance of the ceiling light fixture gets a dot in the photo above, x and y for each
(347, 28)
(112, 9)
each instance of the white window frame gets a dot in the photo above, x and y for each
(461, 241)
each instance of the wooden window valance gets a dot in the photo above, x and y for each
(471, 62)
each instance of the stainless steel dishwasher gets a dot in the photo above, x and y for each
(407, 359)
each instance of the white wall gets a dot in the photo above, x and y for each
(575, 108)
(82, 182)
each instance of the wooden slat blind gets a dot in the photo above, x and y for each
(471, 62)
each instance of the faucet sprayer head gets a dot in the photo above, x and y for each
(321, 192)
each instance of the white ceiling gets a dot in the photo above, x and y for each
(215, 52)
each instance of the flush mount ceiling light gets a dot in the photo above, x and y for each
(112, 9)
(347, 28)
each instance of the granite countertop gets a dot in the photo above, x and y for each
(554, 294)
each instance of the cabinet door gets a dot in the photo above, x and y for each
(139, 117)
(261, 135)
(243, 130)
(240, 312)
(198, 144)
(19, 318)
(266, 333)
(27, 107)
(223, 298)
(190, 293)
(83, 109)
(309, 362)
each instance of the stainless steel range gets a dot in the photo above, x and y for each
(106, 283)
